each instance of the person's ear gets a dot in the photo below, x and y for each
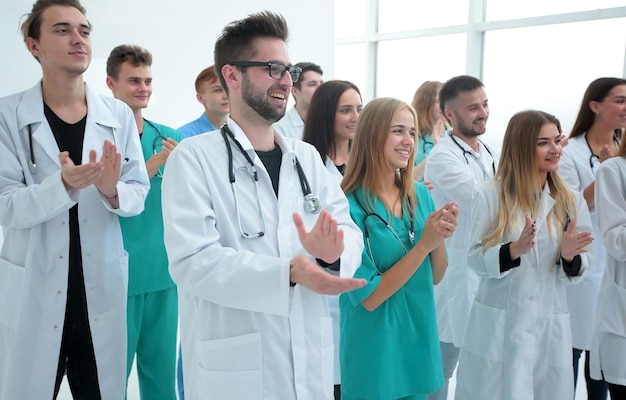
(594, 106)
(33, 47)
(232, 76)
(110, 83)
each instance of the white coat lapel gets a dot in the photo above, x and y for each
(547, 202)
(30, 113)
(101, 125)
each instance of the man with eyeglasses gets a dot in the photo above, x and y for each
(152, 306)
(70, 164)
(292, 124)
(248, 249)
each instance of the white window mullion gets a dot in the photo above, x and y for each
(475, 38)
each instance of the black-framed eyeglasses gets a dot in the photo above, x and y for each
(276, 69)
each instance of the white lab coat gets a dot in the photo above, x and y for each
(333, 301)
(456, 178)
(34, 214)
(518, 343)
(582, 298)
(608, 350)
(291, 125)
(246, 334)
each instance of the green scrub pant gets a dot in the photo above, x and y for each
(152, 327)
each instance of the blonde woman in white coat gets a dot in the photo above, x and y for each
(329, 127)
(594, 138)
(528, 241)
(608, 349)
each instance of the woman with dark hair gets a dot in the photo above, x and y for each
(389, 341)
(594, 138)
(329, 127)
(330, 122)
(527, 242)
(609, 341)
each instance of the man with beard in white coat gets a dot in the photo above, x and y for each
(455, 168)
(246, 241)
(63, 184)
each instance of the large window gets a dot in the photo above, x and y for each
(534, 54)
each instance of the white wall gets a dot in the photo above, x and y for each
(179, 34)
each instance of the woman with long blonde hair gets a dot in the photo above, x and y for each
(389, 342)
(528, 241)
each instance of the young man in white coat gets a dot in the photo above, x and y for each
(70, 164)
(292, 124)
(455, 168)
(248, 244)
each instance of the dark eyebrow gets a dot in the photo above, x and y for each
(547, 138)
(68, 24)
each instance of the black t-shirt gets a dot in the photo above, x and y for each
(70, 138)
(272, 160)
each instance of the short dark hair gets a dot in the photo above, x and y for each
(135, 55)
(319, 128)
(31, 27)
(207, 75)
(235, 41)
(455, 86)
(305, 67)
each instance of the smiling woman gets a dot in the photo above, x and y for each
(528, 231)
(390, 323)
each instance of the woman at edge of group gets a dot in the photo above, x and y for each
(609, 340)
(389, 341)
(431, 123)
(329, 127)
(528, 241)
(594, 138)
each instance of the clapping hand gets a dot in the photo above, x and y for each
(574, 243)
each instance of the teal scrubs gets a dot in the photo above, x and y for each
(393, 351)
(424, 145)
(152, 310)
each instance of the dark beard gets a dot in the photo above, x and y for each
(259, 104)
(468, 132)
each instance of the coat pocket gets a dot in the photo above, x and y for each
(231, 368)
(612, 304)
(12, 278)
(484, 336)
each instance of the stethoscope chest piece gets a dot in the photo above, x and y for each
(312, 204)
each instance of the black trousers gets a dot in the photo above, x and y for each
(617, 391)
(596, 390)
(78, 360)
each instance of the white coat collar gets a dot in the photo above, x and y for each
(242, 138)
(30, 109)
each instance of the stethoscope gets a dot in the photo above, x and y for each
(593, 155)
(427, 145)
(478, 161)
(157, 139)
(366, 232)
(32, 163)
(312, 204)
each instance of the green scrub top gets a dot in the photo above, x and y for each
(143, 234)
(393, 351)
